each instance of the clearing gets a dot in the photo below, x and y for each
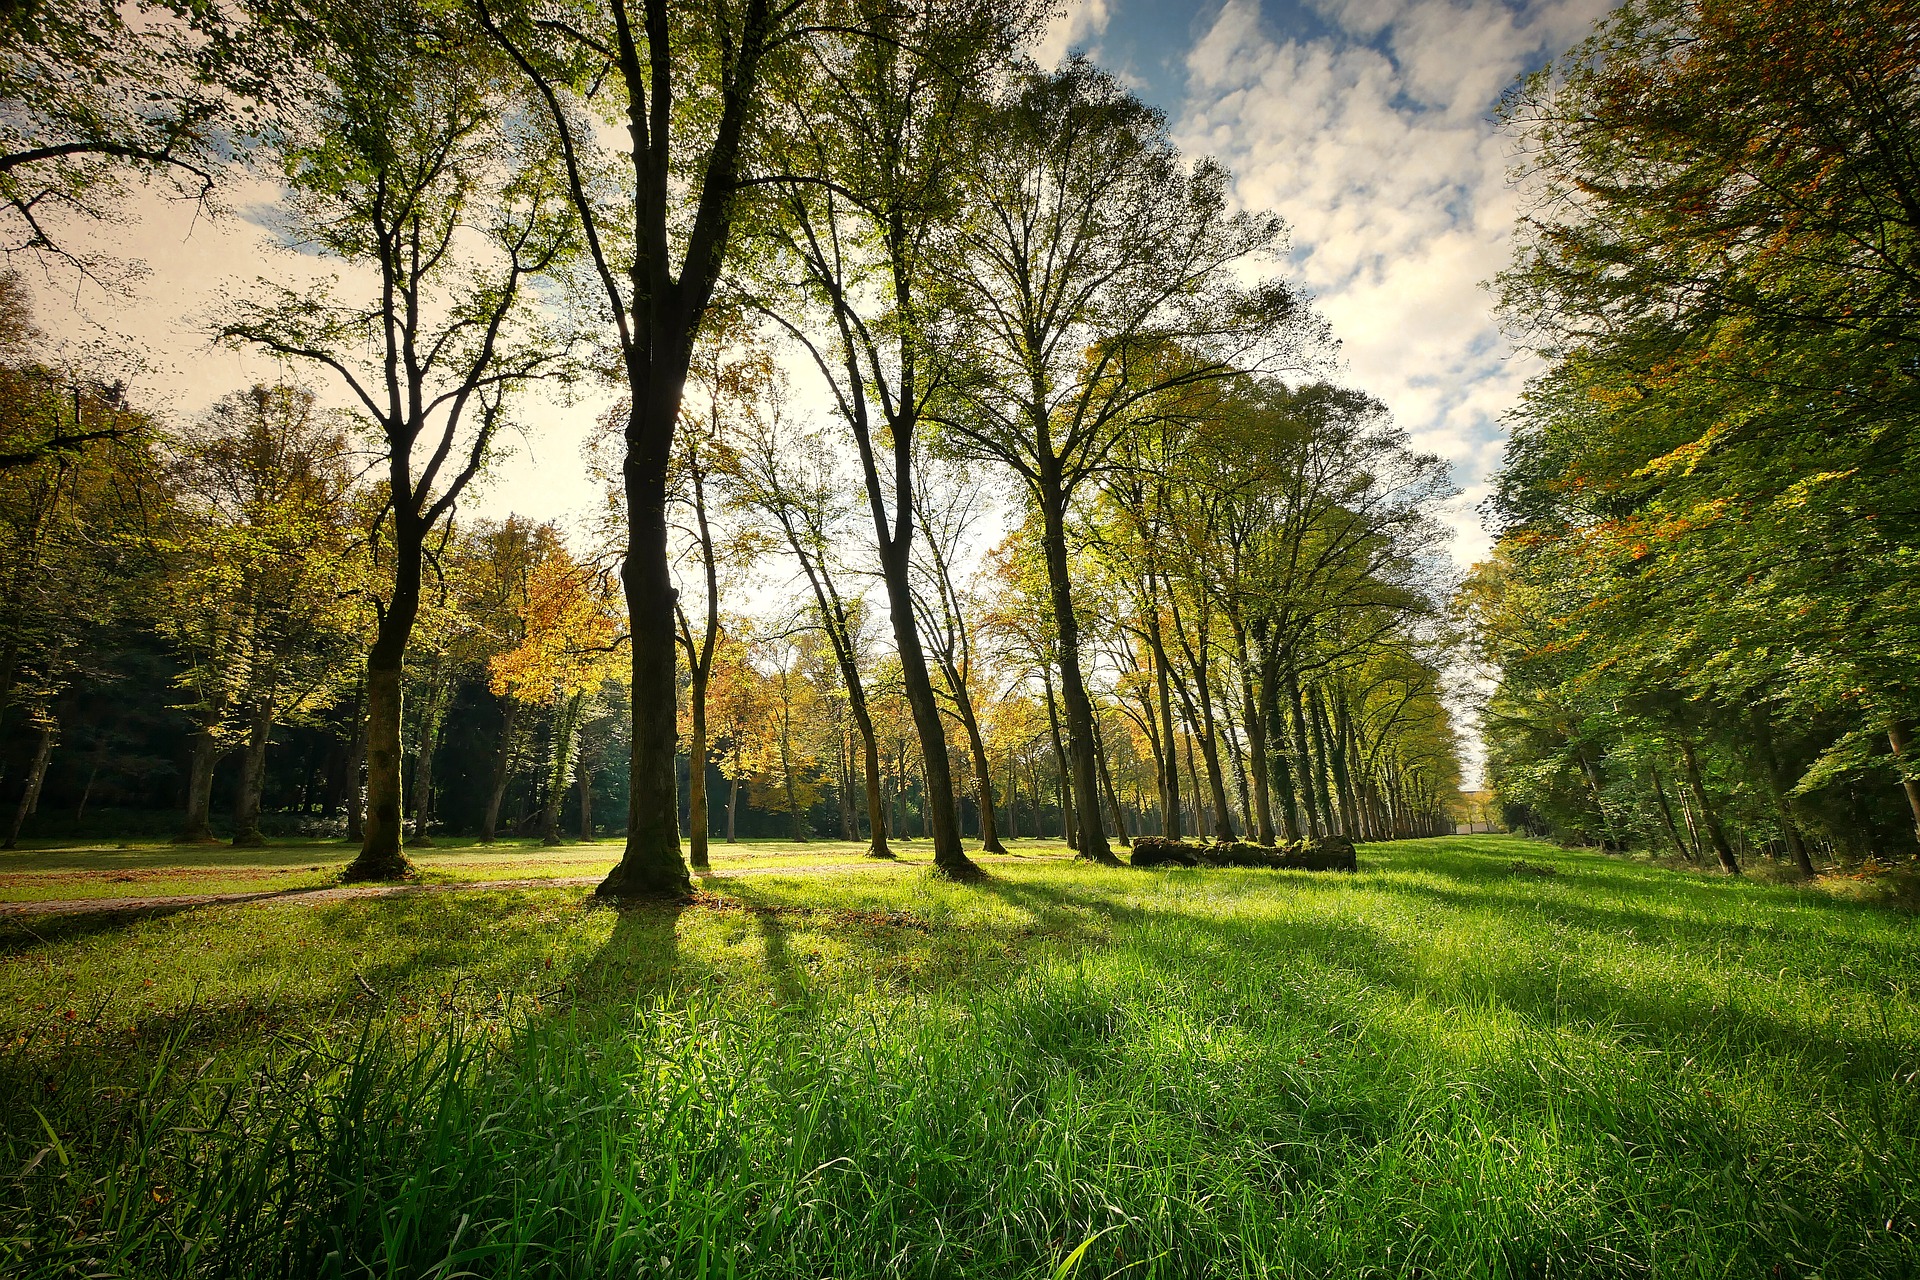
(1478, 1056)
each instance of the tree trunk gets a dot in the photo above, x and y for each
(585, 783)
(36, 775)
(380, 857)
(1777, 788)
(1013, 795)
(1666, 816)
(510, 713)
(430, 720)
(1084, 770)
(566, 724)
(253, 773)
(196, 827)
(939, 815)
(733, 808)
(1721, 848)
(697, 816)
(651, 865)
(355, 794)
(1309, 809)
(1106, 787)
(870, 769)
(1170, 765)
(982, 772)
(1067, 832)
(1897, 739)
(1253, 712)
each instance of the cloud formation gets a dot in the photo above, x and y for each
(1375, 142)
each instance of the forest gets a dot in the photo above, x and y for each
(988, 773)
(954, 489)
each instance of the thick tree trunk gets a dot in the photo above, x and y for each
(196, 827)
(510, 713)
(36, 776)
(733, 808)
(651, 865)
(939, 814)
(697, 817)
(1718, 837)
(1323, 790)
(380, 857)
(1084, 770)
(253, 773)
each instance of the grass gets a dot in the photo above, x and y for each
(1442, 1066)
(152, 868)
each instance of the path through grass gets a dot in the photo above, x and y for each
(1442, 1066)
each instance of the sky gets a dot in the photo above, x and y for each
(1366, 124)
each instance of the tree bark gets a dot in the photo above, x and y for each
(36, 775)
(510, 713)
(196, 827)
(1309, 805)
(651, 865)
(380, 857)
(1084, 771)
(1106, 786)
(697, 816)
(1897, 739)
(1718, 837)
(253, 772)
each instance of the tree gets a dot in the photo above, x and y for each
(797, 483)
(404, 164)
(693, 84)
(881, 126)
(1096, 274)
(568, 653)
(74, 551)
(949, 504)
(92, 93)
(259, 592)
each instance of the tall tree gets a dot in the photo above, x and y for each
(405, 165)
(1096, 273)
(692, 81)
(882, 123)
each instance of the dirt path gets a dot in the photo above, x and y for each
(320, 895)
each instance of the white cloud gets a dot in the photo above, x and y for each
(1376, 144)
(1076, 26)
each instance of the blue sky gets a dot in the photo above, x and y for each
(1368, 125)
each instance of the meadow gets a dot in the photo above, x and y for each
(1479, 1056)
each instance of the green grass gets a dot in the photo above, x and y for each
(1439, 1067)
(154, 868)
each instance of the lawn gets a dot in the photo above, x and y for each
(151, 868)
(1450, 1064)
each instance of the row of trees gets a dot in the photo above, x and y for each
(979, 263)
(1702, 610)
